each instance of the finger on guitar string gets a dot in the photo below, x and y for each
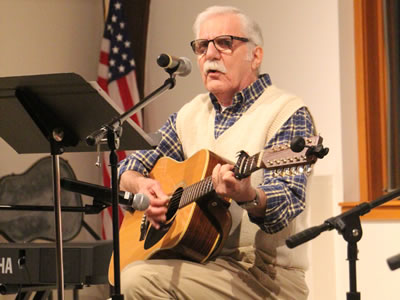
(224, 179)
(227, 185)
(215, 173)
(156, 212)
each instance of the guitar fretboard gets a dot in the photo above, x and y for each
(196, 191)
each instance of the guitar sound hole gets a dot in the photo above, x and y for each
(173, 205)
(154, 235)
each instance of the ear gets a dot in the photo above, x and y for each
(257, 57)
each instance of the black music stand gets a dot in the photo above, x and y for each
(54, 113)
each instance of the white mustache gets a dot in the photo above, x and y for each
(214, 65)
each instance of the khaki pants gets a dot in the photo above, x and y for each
(219, 279)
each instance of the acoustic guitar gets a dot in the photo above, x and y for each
(198, 221)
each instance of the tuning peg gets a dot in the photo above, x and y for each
(319, 151)
(323, 152)
(308, 170)
(300, 170)
(287, 172)
(293, 171)
(298, 144)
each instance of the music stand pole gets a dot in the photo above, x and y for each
(58, 225)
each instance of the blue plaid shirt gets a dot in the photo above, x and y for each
(285, 195)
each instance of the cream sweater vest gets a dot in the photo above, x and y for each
(195, 127)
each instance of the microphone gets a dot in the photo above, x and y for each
(394, 262)
(307, 235)
(103, 194)
(181, 66)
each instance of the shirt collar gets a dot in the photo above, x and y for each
(248, 94)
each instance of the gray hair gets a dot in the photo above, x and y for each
(250, 28)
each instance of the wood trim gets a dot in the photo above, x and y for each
(387, 211)
(371, 84)
(106, 6)
(393, 43)
(137, 17)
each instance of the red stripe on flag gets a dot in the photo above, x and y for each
(126, 97)
(125, 93)
(103, 58)
(103, 83)
(121, 155)
(108, 210)
(120, 216)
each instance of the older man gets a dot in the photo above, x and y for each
(242, 111)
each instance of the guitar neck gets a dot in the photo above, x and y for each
(278, 157)
(205, 186)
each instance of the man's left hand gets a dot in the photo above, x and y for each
(226, 185)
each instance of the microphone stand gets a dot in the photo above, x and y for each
(111, 133)
(347, 224)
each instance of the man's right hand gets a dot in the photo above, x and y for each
(136, 183)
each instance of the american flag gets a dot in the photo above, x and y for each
(117, 77)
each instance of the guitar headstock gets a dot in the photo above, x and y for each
(285, 159)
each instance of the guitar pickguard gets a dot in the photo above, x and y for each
(155, 235)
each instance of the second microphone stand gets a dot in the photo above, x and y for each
(349, 226)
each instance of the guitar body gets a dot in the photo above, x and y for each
(195, 231)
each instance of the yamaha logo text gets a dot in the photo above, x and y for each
(6, 265)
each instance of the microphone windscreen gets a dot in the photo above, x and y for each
(140, 202)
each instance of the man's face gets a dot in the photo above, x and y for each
(240, 66)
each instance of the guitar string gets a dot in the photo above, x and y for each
(194, 191)
(183, 197)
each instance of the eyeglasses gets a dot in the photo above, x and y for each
(222, 43)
